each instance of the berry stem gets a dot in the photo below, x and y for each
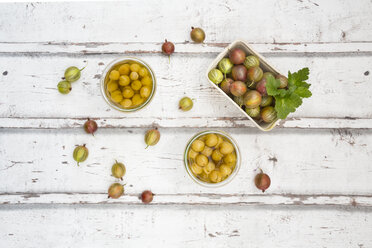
(84, 67)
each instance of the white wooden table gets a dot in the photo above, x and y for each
(319, 159)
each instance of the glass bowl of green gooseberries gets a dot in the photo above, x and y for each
(212, 158)
(241, 74)
(128, 84)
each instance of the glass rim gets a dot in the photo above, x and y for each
(120, 60)
(229, 178)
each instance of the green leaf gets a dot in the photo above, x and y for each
(303, 92)
(272, 86)
(300, 76)
(288, 100)
(286, 105)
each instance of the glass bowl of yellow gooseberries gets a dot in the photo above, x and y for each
(128, 84)
(212, 158)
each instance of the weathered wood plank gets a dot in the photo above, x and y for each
(139, 21)
(183, 226)
(340, 85)
(300, 162)
(185, 122)
(66, 48)
(189, 199)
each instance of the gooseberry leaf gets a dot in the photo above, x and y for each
(272, 86)
(288, 100)
(286, 105)
(303, 92)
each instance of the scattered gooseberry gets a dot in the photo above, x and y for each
(262, 181)
(80, 154)
(72, 73)
(167, 47)
(186, 104)
(197, 35)
(118, 170)
(115, 190)
(147, 196)
(64, 87)
(90, 126)
(152, 137)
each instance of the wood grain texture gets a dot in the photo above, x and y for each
(298, 161)
(186, 47)
(183, 226)
(223, 21)
(189, 199)
(318, 160)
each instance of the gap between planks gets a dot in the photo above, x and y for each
(183, 48)
(189, 199)
(192, 122)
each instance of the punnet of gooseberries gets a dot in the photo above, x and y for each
(64, 87)
(115, 190)
(152, 137)
(197, 35)
(147, 196)
(80, 154)
(73, 73)
(262, 181)
(118, 170)
(185, 104)
(90, 126)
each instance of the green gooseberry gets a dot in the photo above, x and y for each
(64, 87)
(267, 74)
(253, 112)
(215, 76)
(251, 61)
(118, 170)
(225, 66)
(80, 154)
(239, 100)
(115, 190)
(152, 137)
(185, 104)
(268, 114)
(73, 74)
(266, 101)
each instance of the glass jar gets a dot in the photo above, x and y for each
(233, 173)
